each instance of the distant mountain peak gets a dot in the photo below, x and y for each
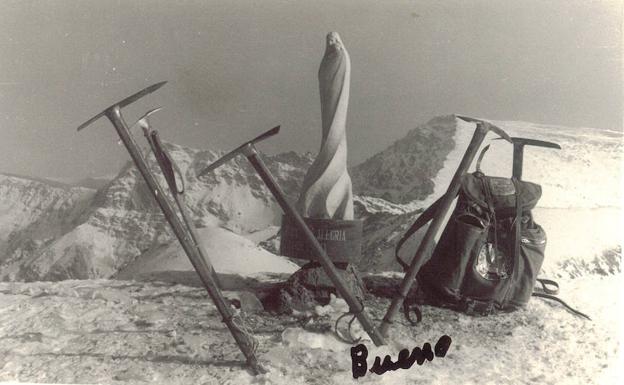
(404, 171)
(52, 231)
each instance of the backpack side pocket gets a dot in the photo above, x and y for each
(532, 247)
(445, 272)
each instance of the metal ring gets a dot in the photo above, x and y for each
(350, 339)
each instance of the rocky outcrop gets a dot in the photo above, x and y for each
(404, 172)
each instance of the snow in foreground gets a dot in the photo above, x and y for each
(133, 332)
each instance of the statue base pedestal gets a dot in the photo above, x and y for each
(310, 286)
(341, 239)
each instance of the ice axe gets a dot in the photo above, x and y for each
(423, 254)
(113, 113)
(248, 149)
(518, 152)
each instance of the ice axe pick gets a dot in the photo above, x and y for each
(110, 111)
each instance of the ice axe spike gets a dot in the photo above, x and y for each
(518, 152)
(355, 305)
(130, 99)
(425, 249)
(232, 154)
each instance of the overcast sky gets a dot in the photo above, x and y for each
(237, 68)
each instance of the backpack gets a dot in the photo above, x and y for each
(489, 254)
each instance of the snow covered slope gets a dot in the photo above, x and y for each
(229, 253)
(585, 173)
(52, 231)
(33, 213)
(580, 208)
(121, 332)
(417, 168)
(581, 205)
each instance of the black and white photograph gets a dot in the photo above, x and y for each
(311, 192)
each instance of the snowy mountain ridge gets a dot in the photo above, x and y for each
(54, 231)
(416, 169)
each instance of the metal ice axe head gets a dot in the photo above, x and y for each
(518, 152)
(113, 113)
(240, 149)
(486, 126)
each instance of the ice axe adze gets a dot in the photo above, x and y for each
(248, 150)
(243, 339)
(518, 152)
(423, 254)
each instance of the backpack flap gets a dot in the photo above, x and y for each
(503, 193)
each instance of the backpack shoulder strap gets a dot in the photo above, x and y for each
(422, 220)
